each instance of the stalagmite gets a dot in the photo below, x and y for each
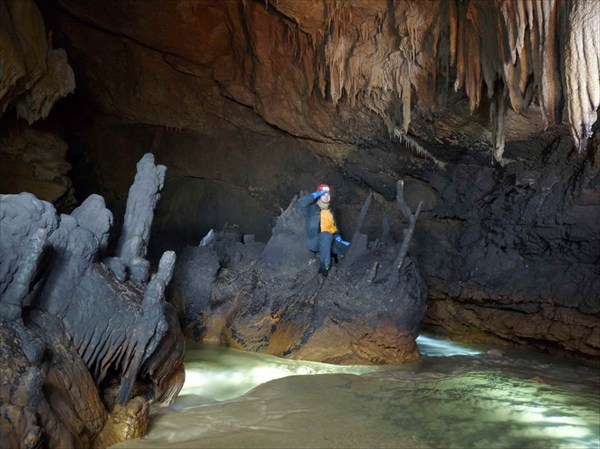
(270, 298)
(93, 215)
(412, 220)
(89, 339)
(143, 196)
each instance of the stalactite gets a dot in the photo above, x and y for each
(473, 72)
(515, 64)
(519, 43)
(508, 14)
(418, 149)
(453, 25)
(550, 87)
(305, 41)
(460, 46)
(497, 118)
(582, 69)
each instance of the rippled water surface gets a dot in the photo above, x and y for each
(456, 396)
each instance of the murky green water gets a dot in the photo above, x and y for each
(457, 396)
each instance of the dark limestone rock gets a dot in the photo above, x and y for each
(286, 252)
(50, 402)
(368, 310)
(191, 287)
(198, 269)
(522, 251)
(34, 160)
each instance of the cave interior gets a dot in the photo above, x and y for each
(486, 111)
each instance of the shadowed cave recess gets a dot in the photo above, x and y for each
(163, 149)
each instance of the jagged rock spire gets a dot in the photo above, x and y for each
(135, 235)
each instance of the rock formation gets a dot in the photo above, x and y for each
(520, 250)
(33, 77)
(344, 71)
(86, 342)
(269, 298)
(34, 161)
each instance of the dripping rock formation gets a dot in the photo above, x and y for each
(86, 340)
(338, 72)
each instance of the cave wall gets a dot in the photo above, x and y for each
(527, 244)
(34, 76)
(34, 160)
(511, 252)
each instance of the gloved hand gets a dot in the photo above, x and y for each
(320, 193)
(343, 242)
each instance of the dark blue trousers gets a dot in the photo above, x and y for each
(325, 245)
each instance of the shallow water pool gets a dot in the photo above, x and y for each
(456, 396)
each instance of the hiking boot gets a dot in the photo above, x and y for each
(323, 270)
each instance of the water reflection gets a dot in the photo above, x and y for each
(456, 396)
(435, 346)
(215, 373)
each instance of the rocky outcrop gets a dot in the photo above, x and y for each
(34, 75)
(90, 340)
(519, 250)
(269, 298)
(34, 161)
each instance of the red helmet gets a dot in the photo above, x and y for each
(322, 187)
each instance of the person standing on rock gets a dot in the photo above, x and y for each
(322, 234)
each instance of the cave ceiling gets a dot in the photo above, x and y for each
(342, 74)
